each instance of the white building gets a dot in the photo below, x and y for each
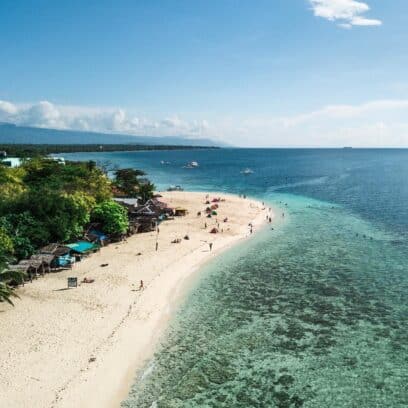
(12, 162)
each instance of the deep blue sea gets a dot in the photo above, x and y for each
(313, 313)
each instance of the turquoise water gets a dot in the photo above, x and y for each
(312, 313)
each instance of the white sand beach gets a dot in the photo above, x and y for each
(82, 347)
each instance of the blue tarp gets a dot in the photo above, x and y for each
(101, 236)
(65, 260)
(83, 246)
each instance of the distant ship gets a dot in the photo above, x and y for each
(247, 171)
(191, 165)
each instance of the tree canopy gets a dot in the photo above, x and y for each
(128, 182)
(45, 201)
(112, 216)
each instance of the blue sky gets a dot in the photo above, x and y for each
(253, 73)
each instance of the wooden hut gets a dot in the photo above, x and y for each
(31, 267)
(61, 255)
(180, 212)
(44, 260)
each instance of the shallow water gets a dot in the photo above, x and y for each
(312, 313)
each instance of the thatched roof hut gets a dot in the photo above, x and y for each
(55, 249)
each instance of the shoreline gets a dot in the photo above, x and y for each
(70, 345)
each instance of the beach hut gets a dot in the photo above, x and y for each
(83, 248)
(144, 223)
(62, 255)
(43, 260)
(31, 267)
(130, 203)
(180, 212)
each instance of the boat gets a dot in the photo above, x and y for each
(191, 165)
(175, 188)
(247, 171)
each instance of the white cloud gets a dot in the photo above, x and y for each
(44, 114)
(347, 13)
(380, 123)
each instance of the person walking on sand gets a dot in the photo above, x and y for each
(141, 287)
(210, 244)
(157, 245)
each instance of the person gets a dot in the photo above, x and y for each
(210, 245)
(157, 245)
(283, 214)
(141, 287)
(205, 225)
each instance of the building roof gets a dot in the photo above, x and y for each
(42, 258)
(55, 249)
(12, 162)
(127, 201)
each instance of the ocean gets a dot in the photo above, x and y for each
(310, 313)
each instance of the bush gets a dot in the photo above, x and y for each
(112, 216)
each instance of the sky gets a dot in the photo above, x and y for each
(261, 73)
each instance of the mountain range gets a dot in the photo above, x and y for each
(10, 133)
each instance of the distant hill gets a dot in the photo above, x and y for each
(10, 133)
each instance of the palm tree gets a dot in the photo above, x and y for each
(146, 191)
(7, 291)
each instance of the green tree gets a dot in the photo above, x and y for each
(62, 216)
(6, 290)
(25, 232)
(112, 216)
(6, 246)
(127, 180)
(7, 277)
(72, 177)
(146, 191)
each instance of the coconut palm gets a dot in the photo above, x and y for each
(7, 291)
